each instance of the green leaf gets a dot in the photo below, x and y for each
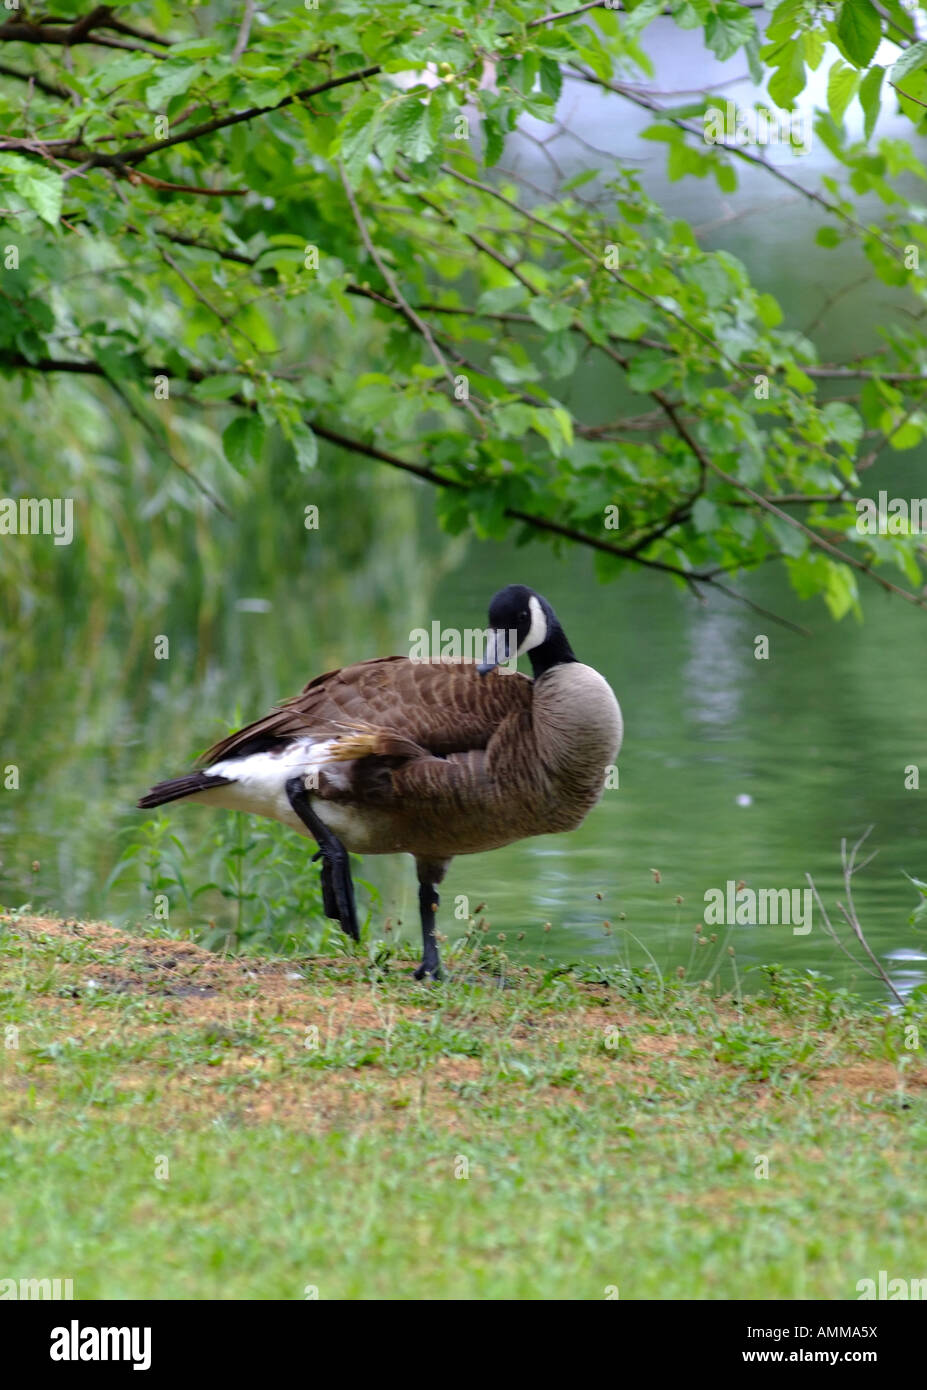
(493, 141)
(907, 436)
(551, 78)
(561, 354)
(919, 884)
(555, 427)
(43, 190)
(814, 45)
(650, 372)
(625, 318)
(565, 421)
(513, 373)
(40, 187)
(552, 317)
(689, 14)
(770, 314)
(243, 440)
(827, 236)
(217, 388)
(501, 299)
(789, 78)
(513, 419)
(797, 379)
(667, 133)
(305, 446)
(921, 908)
(859, 31)
(257, 323)
(641, 15)
(870, 98)
(787, 537)
(727, 29)
(123, 69)
(912, 93)
(843, 423)
(842, 84)
(705, 517)
(841, 593)
(354, 142)
(577, 181)
(712, 279)
(911, 60)
(173, 79)
(411, 123)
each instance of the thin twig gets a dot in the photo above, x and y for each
(415, 319)
(244, 32)
(850, 867)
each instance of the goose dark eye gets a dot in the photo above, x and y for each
(523, 615)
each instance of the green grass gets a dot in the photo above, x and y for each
(611, 1127)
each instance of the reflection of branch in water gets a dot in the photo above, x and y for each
(834, 298)
(565, 132)
(850, 867)
(688, 91)
(744, 212)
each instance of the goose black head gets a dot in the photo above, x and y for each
(520, 621)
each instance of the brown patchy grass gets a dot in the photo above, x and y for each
(193, 993)
(201, 990)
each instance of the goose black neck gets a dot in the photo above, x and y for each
(555, 650)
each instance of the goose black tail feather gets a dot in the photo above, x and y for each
(178, 787)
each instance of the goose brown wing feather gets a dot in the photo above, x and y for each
(443, 708)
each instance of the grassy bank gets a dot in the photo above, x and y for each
(180, 1124)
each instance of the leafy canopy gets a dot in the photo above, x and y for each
(300, 221)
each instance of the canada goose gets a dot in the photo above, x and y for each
(429, 759)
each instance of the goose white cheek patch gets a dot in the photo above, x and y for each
(537, 632)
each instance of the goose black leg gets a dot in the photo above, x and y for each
(430, 874)
(329, 902)
(428, 902)
(337, 888)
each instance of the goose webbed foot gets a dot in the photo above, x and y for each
(428, 902)
(337, 887)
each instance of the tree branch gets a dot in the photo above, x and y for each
(40, 83)
(83, 30)
(132, 157)
(919, 601)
